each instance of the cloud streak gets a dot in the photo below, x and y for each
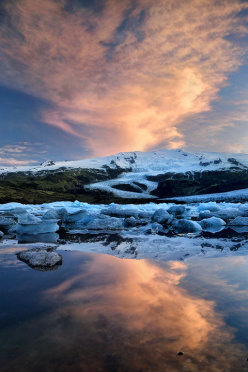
(125, 77)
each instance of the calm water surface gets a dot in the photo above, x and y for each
(102, 313)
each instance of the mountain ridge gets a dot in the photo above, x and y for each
(124, 176)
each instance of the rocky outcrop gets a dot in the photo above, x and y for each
(205, 182)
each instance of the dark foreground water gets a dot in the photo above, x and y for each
(102, 313)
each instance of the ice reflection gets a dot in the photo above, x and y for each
(44, 238)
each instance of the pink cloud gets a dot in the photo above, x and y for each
(141, 94)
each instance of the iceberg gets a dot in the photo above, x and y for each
(29, 224)
(51, 214)
(7, 223)
(74, 216)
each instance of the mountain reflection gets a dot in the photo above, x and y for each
(125, 315)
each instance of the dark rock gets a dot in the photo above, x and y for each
(127, 187)
(141, 185)
(40, 258)
(205, 164)
(197, 183)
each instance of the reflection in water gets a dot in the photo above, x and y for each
(44, 238)
(123, 315)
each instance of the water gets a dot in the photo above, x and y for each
(102, 313)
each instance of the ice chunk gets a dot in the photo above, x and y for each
(156, 226)
(239, 221)
(29, 219)
(51, 214)
(244, 210)
(75, 216)
(205, 214)
(177, 210)
(7, 223)
(9, 206)
(62, 213)
(29, 224)
(186, 226)
(103, 222)
(145, 214)
(1, 234)
(212, 224)
(40, 258)
(116, 211)
(161, 216)
(227, 214)
(211, 206)
(132, 222)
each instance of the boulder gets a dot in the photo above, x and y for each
(40, 258)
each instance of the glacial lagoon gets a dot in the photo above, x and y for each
(136, 299)
(103, 313)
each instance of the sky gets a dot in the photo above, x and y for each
(90, 78)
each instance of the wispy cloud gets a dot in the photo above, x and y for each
(20, 153)
(125, 77)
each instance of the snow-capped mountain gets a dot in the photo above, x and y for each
(135, 175)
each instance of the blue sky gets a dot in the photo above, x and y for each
(91, 78)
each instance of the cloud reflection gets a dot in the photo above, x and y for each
(152, 313)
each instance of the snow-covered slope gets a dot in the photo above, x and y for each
(153, 162)
(137, 171)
